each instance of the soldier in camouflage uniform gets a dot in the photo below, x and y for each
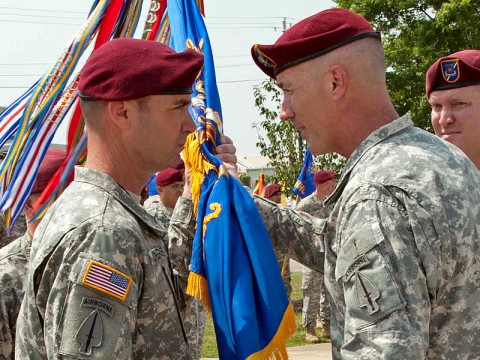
(273, 192)
(453, 91)
(15, 256)
(100, 283)
(315, 301)
(19, 229)
(400, 247)
(171, 185)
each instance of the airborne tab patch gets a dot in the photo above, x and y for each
(107, 280)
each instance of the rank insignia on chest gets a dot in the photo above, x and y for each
(450, 70)
(107, 280)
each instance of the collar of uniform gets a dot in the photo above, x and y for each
(105, 182)
(373, 139)
(135, 197)
(161, 207)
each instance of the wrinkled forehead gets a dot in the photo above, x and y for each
(471, 93)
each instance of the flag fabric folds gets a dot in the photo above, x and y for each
(233, 267)
(260, 187)
(304, 185)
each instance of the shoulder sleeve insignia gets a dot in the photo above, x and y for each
(107, 280)
(90, 333)
(367, 293)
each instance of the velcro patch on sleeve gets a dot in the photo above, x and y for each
(107, 280)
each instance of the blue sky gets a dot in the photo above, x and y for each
(34, 34)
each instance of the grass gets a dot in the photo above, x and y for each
(298, 339)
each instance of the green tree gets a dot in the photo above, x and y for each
(277, 140)
(414, 35)
(280, 142)
(245, 180)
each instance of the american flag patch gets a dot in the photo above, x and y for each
(107, 280)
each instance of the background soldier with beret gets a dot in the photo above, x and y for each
(171, 185)
(15, 256)
(401, 250)
(273, 192)
(315, 300)
(100, 281)
(453, 91)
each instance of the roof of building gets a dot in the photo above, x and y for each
(251, 162)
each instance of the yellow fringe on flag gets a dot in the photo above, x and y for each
(277, 348)
(198, 165)
(198, 287)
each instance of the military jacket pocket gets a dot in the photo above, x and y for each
(370, 290)
(95, 317)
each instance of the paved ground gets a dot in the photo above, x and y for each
(295, 266)
(311, 352)
(308, 352)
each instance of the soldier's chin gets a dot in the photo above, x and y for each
(315, 149)
(174, 160)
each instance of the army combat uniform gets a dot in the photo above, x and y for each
(401, 251)
(181, 234)
(13, 270)
(100, 282)
(315, 298)
(19, 228)
(154, 206)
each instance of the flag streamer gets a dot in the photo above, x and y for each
(304, 185)
(36, 115)
(260, 186)
(233, 263)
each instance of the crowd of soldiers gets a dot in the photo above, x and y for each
(397, 240)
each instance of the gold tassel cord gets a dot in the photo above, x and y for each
(198, 165)
(198, 287)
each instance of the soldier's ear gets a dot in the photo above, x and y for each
(119, 112)
(338, 80)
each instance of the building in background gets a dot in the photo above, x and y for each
(252, 166)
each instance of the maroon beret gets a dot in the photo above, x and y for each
(271, 190)
(169, 176)
(310, 38)
(453, 71)
(49, 166)
(126, 69)
(323, 176)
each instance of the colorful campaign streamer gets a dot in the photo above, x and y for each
(43, 112)
(36, 115)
